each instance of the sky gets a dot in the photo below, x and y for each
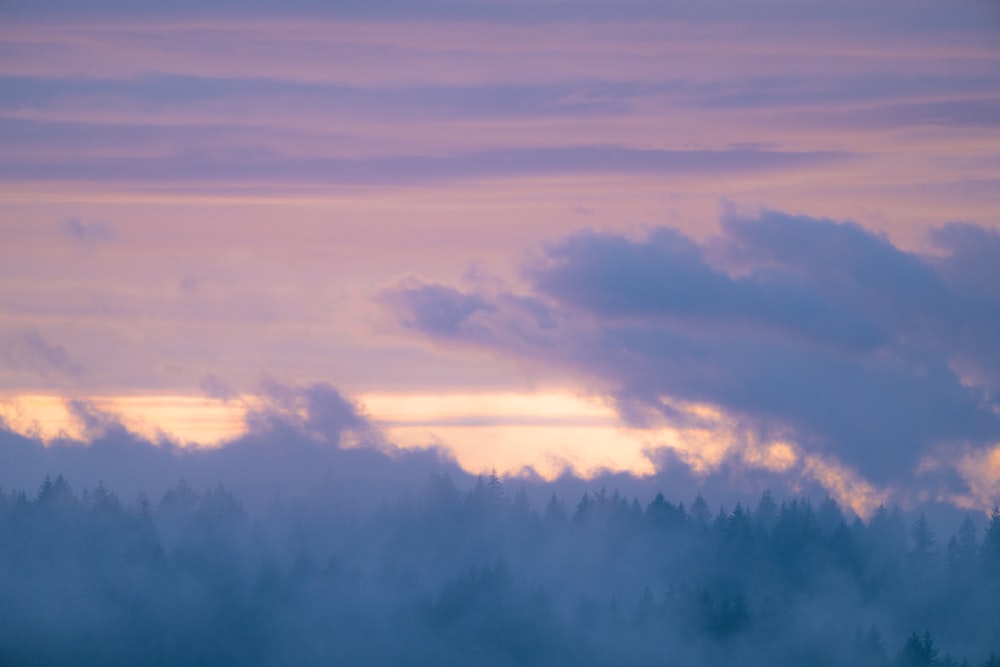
(534, 235)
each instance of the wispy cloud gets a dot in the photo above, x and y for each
(25, 350)
(267, 167)
(86, 232)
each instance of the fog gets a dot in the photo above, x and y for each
(476, 573)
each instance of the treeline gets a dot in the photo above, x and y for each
(481, 577)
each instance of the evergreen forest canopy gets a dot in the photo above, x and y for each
(480, 577)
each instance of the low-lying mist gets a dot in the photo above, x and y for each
(480, 574)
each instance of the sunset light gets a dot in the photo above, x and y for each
(500, 333)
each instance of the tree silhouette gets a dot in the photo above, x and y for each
(699, 512)
(767, 510)
(869, 649)
(453, 577)
(923, 538)
(991, 543)
(962, 551)
(918, 652)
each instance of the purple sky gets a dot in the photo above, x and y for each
(760, 233)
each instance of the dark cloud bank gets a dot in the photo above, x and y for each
(818, 329)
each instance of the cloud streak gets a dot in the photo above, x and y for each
(264, 166)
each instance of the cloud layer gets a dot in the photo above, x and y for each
(216, 189)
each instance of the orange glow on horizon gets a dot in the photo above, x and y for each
(549, 433)
(189, 420)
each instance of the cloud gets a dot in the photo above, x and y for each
(216, 387)
(266, 164)
(86, 232)
(970, 262)
(439, 310)
(318, 411)
(887, 18)
(948, 113)
(791, 324)
(25, 350)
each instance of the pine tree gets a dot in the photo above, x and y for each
(961, 552)
(869, 649)
(767, 510)
(555, 512)
(699, 511)
(923, 538)
(55, 495)
(142, 508)
(991, 543)
(494, 486)
(922, 556)
(645, 609)
(918, 652)
(829, 516)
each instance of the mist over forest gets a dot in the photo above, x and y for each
(500, 333)
(479, 574)
(290, 545)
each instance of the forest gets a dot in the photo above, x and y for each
(479, 576)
